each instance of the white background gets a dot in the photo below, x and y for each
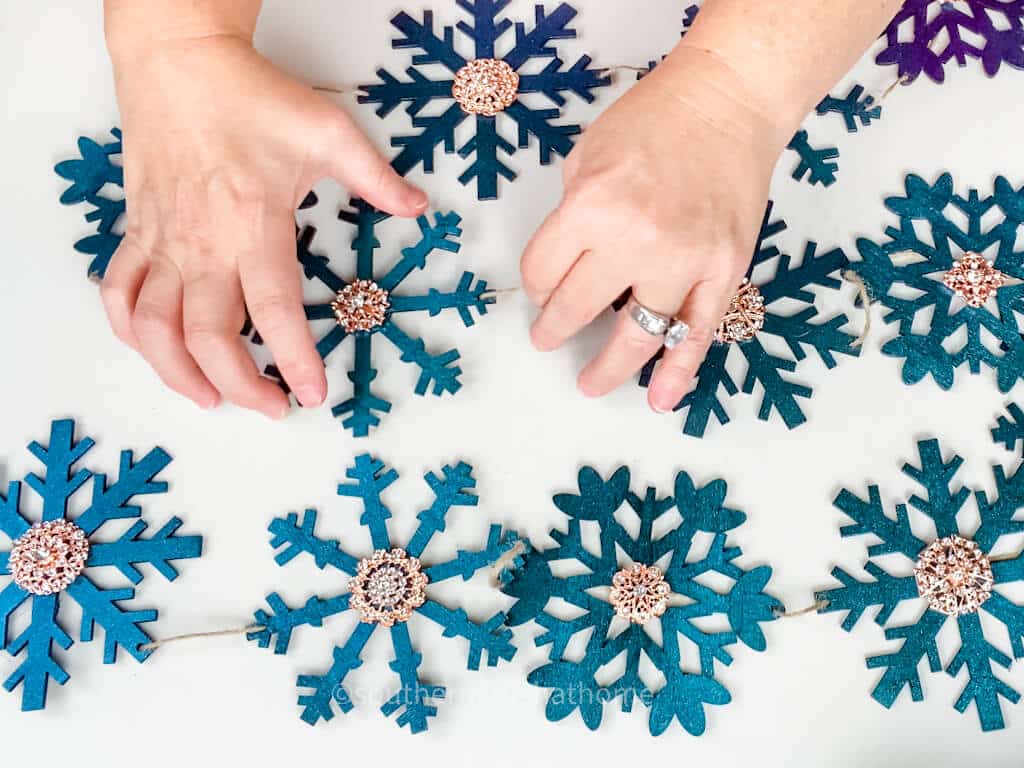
(518, 420)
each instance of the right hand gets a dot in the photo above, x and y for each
(219, 150)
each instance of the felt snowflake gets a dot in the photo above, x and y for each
(367, 307)
(942, 275)
(483, 87)
(951, 577)
(56, 557)
(659, 577)
(386, 588)
(788, 284)
(925, 35)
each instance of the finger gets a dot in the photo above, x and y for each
(272, 285)
(703, 312)
(156, 324)
(213, 314)
(630, 346)
(551, 253)
(583, 294)
(121, 285)
(351, 158)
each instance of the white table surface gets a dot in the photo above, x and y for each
(518, 420)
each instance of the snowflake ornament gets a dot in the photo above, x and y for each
(387, 588)
(56, 557)
(757, 310)
(367, 308)
(926, 35)
(484, 87)
(641, 592)
(966, 280)
(953, 577)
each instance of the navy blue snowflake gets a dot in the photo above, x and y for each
(438, 373)
(54, 558)
(936, 228)
(796, 329)
(885, 591)
(386, 588)
(485, 29)
(925, 35)
(684, 600)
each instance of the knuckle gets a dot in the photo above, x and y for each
(200, 336)
(151, 320)
(271, 310)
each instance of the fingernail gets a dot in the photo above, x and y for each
(418, 198)
(309, 396)
(280, 413)
(660, 403)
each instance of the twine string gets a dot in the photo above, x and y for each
(200, 635)
(782, 613)
(865, 300)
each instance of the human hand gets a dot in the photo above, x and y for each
(219, 150)
(664, 196)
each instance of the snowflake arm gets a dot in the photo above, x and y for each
(11, 522)
(452, 491)
(158, 550)
(852, 108)
(1010, 431)
(780, 394)
(441, 236)
(901, 666)
(134, 479)
(11, 598)
(855, 597)
(869, 518)
(983, 688)
(437, 372)
(293, 538)
(553, 81)
(328, 688)
(703, 400)
(467, 563)
(60, 481)
(465, 298)
(371, 479)
(491, 637)
(277, 626)
(814, 163)
(413, 699)
(361, 411)
(39, 665)
(935, 477)
(121, 627)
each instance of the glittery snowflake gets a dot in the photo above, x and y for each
(98, 180)
(367, 308)
(485, 70)
(937, 329)
(387, 587)
(926, 35)
(788, 284)
(56, 557)
(950, 577)
(1009, 429)
(614, 624)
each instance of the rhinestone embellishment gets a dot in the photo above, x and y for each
(48, 557)
(388, 587)
(745, 316)
(485, 87)
(639, 594)
(362, 305)
(974, 278)
(954, 576)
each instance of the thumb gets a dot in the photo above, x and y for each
(352, 159)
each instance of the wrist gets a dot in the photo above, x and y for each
(707, 85)
(135, 26)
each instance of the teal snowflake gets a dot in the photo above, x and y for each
(885, 591)
(702, 517)
(936, 331)
(387, 588)
(59, 556)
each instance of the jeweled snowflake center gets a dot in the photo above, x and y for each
(954, 576)
(639, 594)
(974, 278)
(48, 557)
(362, 305)
(388, 587)
(485, 87)
(745, 316)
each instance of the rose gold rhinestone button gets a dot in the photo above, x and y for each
(954, 576)
(485, 87)
(974, 279)
(388, 587)
(745, 316)
(639, 594)
(48, 557)
(362, 305)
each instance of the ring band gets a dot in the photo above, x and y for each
(654, 323)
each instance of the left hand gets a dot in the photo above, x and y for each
(664, 196)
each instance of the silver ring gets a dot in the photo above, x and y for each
(654, 323)
(676, 334)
